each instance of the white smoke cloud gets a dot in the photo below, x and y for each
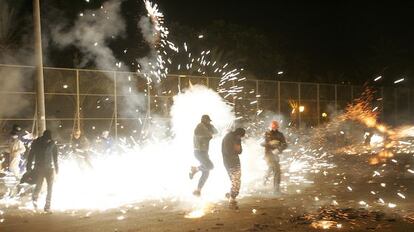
(14, 50)
(147, 29)
(152, 66)
(91, 33)
(13, 80)
(194, 102)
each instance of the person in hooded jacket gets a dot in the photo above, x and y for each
(203, 133)
(274, 144)
(15, 149)
(231, 148)
(81, 149)
(43, 160)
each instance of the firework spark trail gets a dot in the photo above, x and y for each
(158, 169)
(201, 62)
(380, 153)
(158, 40)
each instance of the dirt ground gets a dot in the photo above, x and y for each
(327, 202)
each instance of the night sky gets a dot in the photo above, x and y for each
(357, 40)
(333, 35)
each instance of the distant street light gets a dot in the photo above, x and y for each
(280, 73)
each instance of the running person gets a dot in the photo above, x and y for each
(274, 144)
(203, 133)
(231, 149)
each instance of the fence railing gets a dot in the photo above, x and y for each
(123, 102)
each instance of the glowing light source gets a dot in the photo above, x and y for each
(200, 211)
(392, 205)
(301, 109)
(399, 80)
(324, 224)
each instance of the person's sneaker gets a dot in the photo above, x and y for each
(233, 204)
(47, 210)
(197, 193)
(192, 172)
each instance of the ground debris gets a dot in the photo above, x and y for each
(409, 217)
(331, 217)
(258, 227)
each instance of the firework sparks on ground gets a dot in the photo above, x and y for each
(157, 169)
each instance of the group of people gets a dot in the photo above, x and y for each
(38, 158)
(15, 154)
(274, 143)
(39, 163)
(42, 159)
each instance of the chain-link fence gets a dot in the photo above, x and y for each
(123, 103)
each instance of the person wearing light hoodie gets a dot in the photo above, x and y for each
(15, 149)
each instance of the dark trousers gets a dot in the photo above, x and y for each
(273, 169)
(42, 174)
(234, 171)
(205, 166)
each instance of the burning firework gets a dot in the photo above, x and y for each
(156, 169)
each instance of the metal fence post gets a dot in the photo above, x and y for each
(395, 106)
(352, 93)
(299, 113)
(77, 101)
(318, 110)
(336, 97)
(149, 99)
(179, 83)
(115, 106)
(409, 102)
(257, 98)
(278, 97)
(382, 103)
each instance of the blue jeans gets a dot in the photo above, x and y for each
(205, 166)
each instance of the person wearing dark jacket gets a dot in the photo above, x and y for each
(231, 149)
(43, 160)
(203, 133)
(274, 144)
(81, 150)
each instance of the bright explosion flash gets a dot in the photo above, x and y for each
(158, 169)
